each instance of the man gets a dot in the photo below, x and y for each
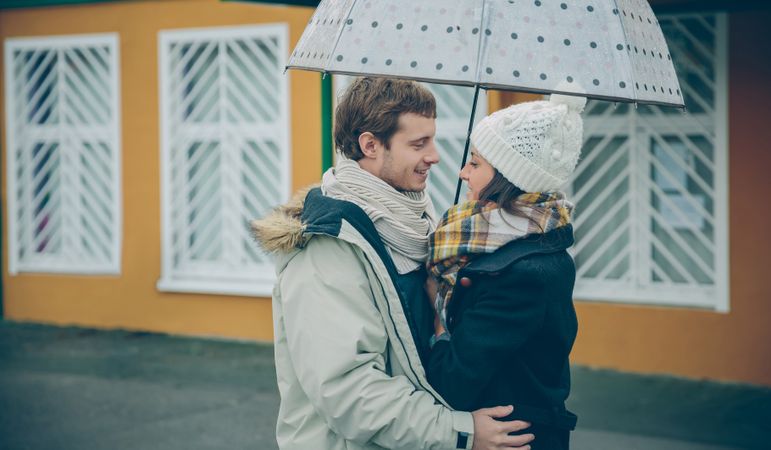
(348, 305)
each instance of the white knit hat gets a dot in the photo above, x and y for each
(535, 145)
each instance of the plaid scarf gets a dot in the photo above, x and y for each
(471, 229)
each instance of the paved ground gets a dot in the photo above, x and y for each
(79, 389)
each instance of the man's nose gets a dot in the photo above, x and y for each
(433, 155)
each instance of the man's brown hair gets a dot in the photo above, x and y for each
(374, 105)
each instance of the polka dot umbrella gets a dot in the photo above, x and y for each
(604, 49)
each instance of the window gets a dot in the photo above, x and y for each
(651, 190)
(225, 154)
(63, 131)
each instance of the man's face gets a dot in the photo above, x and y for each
(405, 166)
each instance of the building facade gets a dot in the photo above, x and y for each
(140, 137)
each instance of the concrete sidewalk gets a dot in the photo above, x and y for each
(80, 389)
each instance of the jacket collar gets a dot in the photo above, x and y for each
(287, 228)
(556, 240)
(325, 215)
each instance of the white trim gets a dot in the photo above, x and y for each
(722, 205)
(215, 276)
(64, 40)
(10, 131)
(227, 32)
(164, 40)
(285, 110)
(665, 295)
(118, 160)
(65, 263)
(217, 287)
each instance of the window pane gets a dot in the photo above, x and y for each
(649, 224)
(683, 247)
(601, 190)
(62, 95)
(226, 157)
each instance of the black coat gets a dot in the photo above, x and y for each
(512, 325)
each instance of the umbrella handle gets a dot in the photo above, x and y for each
(468, 142)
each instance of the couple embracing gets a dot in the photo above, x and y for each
(398, 329)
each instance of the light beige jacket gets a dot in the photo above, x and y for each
(348, 370)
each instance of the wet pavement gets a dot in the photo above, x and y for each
(83, 389)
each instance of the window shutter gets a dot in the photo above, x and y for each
(225, 152)
(651, 187)
(62, 110)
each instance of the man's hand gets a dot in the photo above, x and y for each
(493, 434)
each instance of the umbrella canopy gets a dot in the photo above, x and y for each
(606, 49)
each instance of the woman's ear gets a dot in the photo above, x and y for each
(368, 144)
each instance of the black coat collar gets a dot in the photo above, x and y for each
(556, 240)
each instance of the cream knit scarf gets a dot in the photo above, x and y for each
(403, 219)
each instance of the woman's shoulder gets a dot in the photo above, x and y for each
(543, 272)
(535, 266)
(527, 254)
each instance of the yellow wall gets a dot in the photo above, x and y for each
(131, 300)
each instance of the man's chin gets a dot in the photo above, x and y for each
(417, 189)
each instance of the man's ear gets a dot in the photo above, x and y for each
(368, 144)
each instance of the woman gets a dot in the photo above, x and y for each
(502, 280)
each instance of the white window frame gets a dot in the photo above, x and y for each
(257, 279)
(16, 133)
(715, 296)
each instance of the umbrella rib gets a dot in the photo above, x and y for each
(468, 141)
(633, 73)
(477, 78)
(477, 82)
(339, 35)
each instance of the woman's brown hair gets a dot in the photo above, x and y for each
(501, 191)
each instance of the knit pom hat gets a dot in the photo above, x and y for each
(535, 145)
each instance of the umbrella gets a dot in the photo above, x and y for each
(604, 49)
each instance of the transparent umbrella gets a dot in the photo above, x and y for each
(604, 49)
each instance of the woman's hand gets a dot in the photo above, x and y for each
(431, 288)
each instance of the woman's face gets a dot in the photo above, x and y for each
(477, 173)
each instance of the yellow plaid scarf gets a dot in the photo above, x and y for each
(473, 228)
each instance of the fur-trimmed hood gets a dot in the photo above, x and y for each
(282, 230)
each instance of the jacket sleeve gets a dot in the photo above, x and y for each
(503, 316)
(337, 338)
